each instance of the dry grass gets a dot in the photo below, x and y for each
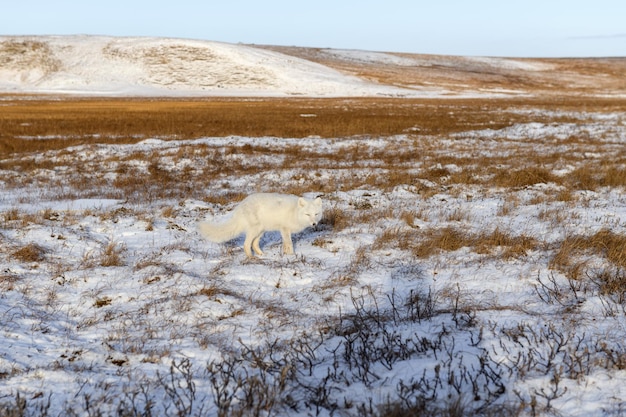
(30, 253)
(40, 124)
(524, 177)
(574, 259)
(29, 128)
(591, 177)
(35, 136)
(571, 256)
(112, 255)
(426, 243)
(335, 219)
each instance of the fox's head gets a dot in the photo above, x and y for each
(310, 211)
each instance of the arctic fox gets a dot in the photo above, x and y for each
(264, 212)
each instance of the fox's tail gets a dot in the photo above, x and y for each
(221, 232)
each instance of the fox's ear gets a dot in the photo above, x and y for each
(301, 202)
(318, 201)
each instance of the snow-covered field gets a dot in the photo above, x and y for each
(430, 287)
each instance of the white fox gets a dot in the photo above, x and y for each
(264, 212)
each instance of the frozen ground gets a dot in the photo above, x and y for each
(112, 303)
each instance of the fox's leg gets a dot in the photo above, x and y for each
(247, 244)
(287, 244)
(255, 244)
(252, 241)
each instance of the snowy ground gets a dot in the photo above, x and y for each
(112, 303)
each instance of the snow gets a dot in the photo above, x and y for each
(99, 65)
(82, 329)
(371, 57)
(145, 66)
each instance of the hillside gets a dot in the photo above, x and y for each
(458, 75)
(98, 65)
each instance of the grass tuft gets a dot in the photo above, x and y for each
(113, 255)
(571, 255)
(30, 253)
(524, 177)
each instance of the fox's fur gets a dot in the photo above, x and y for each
(264, 212)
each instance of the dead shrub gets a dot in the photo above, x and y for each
(15, 218)
(565, 196)
(611, 282)
(224, 198)
(213, 290)
(391, 237)
(11, 215)
(103, 302)
(7, 281)
(409, 217)
(168, 211)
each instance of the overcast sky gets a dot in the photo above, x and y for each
(531, 28)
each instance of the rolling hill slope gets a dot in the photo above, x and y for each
(99, 65)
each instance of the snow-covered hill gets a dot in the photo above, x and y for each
(157, 66)
(123, 66)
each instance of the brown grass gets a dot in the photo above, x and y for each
(524, 177)
(30, 253)
(335, 219)
(512, 246)
(30, 128)
(571, 255)
(112, 255)
(423, 244)
(591, 177)
(43, 124)
(35, 136)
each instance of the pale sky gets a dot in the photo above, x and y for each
(529, 28)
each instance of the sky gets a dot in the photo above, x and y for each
(529, 28)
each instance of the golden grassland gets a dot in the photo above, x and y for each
(40, 123)
(30, 127)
